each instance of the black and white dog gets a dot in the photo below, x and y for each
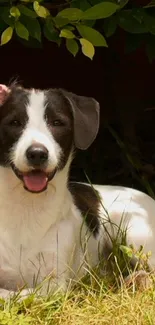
(48, 226)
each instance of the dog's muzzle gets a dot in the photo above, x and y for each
(36, 179)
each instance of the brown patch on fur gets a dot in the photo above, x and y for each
(88, 202)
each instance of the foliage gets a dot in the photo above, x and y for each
(80, 24)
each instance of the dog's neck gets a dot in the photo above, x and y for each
(33, 210)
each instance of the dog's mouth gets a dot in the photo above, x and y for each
(36, 180)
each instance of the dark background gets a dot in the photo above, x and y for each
(122, 83)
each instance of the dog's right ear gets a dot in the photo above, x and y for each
(86, 111)
(4, 92)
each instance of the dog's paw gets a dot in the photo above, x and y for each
(5, 294)
(24, 294)
(20, 296)
(141, 280)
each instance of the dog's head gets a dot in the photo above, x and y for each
(38, 130)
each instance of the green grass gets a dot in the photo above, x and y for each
(92, 304)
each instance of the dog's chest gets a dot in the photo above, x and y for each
(20, 258)
(31, 246)
(23, 244)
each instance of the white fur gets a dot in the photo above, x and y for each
(41, 234)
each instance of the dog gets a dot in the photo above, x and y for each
(53, 231)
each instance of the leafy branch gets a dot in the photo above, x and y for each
(81, 24)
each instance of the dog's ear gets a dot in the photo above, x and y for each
(86, 119)
(4, 91)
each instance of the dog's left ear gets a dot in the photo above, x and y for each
(86, 112)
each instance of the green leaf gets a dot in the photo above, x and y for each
(70, 27)
(87, 48)
(81, 4)
(92, 35)
(72, 14)
(26, 11)
(126, 250)
(60, 21)
(7, 18)
(6, 35)
(66, 33)
(21, 30)
(72, 46)
(89, 23)
(127, 22)
(149, 22)
(14, 12)
(50, 32)
(40, 10)
(34, 29)
(110, 26)
(123, 3)
(101, 10)
(32, 26)
(138, 14)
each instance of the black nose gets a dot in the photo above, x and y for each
(37, 155)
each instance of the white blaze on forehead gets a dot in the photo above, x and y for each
(36, 108)
(36, 131)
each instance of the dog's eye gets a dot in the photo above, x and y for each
(57, 123)
(53, 123)
(15, 123)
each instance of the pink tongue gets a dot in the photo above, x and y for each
(35, 181)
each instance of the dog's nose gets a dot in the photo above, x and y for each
(37, 155)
